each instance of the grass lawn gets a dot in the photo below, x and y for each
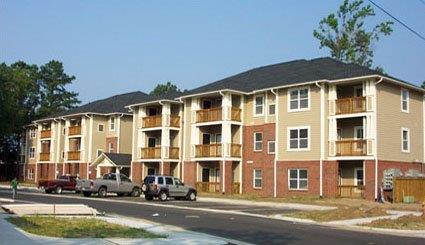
(77, 228)
(341, 213)
(21, 184)
(409, 222)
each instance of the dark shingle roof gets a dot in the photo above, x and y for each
(119, 158)
(287, 73)
(165, 96)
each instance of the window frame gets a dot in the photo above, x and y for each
(254, 178)
(407, 100)
(288, 140)
(408, 140)
(33, 153)
(274, 109)
(110, 149)
(255, 141)
(30, 173)
(33, 133)
(268, 147)
(112, 124)
(255, 105)
(298, 179)
(98, 127)
(298, 99)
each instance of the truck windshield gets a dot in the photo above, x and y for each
(149, 180)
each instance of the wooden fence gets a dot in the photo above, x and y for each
(409, 186)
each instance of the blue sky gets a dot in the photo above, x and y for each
(120, 46)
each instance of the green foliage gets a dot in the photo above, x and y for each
(345, 33)
(423, 85)
(164, 89)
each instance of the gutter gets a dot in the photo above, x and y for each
(276, 142)
(322, 136)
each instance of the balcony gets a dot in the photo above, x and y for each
(209, 115)
(351, 191)
(235, 150)
(174, 121)
(74, 130)
(45, 156)
(350, 147)
(174, 153)
(73, 155)
(151, 153)
(210, 150)
(236, 114)
(214, 187)
(46, 133)
(350, 105)
(152, 121)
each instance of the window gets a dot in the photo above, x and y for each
(258, 178)
(271, 147)
(168, 181)
(177, 182)
(32, 152)
(405, 140)
(298, 99)
(358, 177)
(124, 178)
(404, 100)
(298, 179)
(272, 109)
(298, 138)
(258, 105)
(63, 154)
(112, 124)
(160, 181)
(111, 147)
(30, 173)
(100, 127)
(258, 141)
(99, 152)
(32, 133)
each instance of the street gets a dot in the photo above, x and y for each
(250, 229)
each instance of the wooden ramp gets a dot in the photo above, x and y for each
(50, 209)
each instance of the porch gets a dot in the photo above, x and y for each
(351, 179)
(209, 179)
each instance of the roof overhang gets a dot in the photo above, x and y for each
(212, 92)
(153, 102)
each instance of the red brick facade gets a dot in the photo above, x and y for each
(136, 172)
(189, 176)
(226, 176)
(46, 171)
(79, 169)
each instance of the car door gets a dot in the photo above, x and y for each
(169, 183)
(181, 189)
(125, 184)
(112, 183)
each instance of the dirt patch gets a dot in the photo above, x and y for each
(409, 222)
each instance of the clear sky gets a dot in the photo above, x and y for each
(121, 46)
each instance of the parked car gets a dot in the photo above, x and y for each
(109, 183)
(64, 182)
(163, 187)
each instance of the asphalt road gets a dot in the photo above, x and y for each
(238, 227)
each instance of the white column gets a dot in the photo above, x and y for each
(332, 96)
(134, 145)
(165, 132)
(38, 148)
(226, 127)
(66, 143)
(322, 135)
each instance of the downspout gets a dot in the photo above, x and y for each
(90, 144)
(376, 138)
(322, 138)
(119, 132)
(182, 140)
(222, 149)
(276, 142)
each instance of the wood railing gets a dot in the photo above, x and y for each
(74, 130)
(151, 153)
(209, 115)
(236, 114)
(174, 153)
(174, 121)
(207, 186)
(45, 156)
(351, 147)
(152, 121)
(211, 150)
(73, 155)
(236, 188)
(350, 105)
(351, 191)
(235, 150)
(45, 133)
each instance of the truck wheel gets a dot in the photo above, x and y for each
(86, 193)
(102, 192)
(191, 196)
(148, 197)
(58, 190)
(135, 192)
(163, 196)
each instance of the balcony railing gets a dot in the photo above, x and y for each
(211, 150)
(174, 121)
(45, 133)
(208, 186)
(45, 156)
(151, 153)
(74, 130)
(350, 105)
(152, 121)
(73, 155)
(209, 115)
(235, 150)
(174, 153)
(351, 147)
(236, 114)
(351, 191)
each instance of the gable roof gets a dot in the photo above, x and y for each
(119, 159)
(170, 96)
(288, 73)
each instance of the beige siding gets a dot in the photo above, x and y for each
(125, 139)
(248, 112)
(32, 142)
(98, 138)
(390, 120)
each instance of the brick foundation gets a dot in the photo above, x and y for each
(75, 169)
(226, 176)
(189, 176)
(330, 178)
(313, 168)
(166, 168)
(136, 172)
(46, 171)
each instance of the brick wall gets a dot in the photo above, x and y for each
(189, 173)
(136, 172)
(330, 178)
(76, 168)
(166, 168)
(114, 141)
(313, 175)
(46, 171)
(226, 176)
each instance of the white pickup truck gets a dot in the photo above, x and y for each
(109, 183)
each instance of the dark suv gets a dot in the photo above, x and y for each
(167, 186)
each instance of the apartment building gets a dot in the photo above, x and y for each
(304, 127)
(28, 149)
(69, 142)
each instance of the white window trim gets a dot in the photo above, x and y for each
(29, 153)
(288, 138)
(109, 147)
(268, 109)
(110, 124)
(33, 133)
(254, 178)
(355, 175)
(98, 125)
(298, 179)
(355, 89)
(407, 99)
(355, 132)
(255, 105)
(289, 99)
(262, 139)
(268, 147)
(408, 140)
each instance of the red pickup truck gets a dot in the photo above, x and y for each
(64, 182)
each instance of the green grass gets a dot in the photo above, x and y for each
(409, 222)
(77, 228)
